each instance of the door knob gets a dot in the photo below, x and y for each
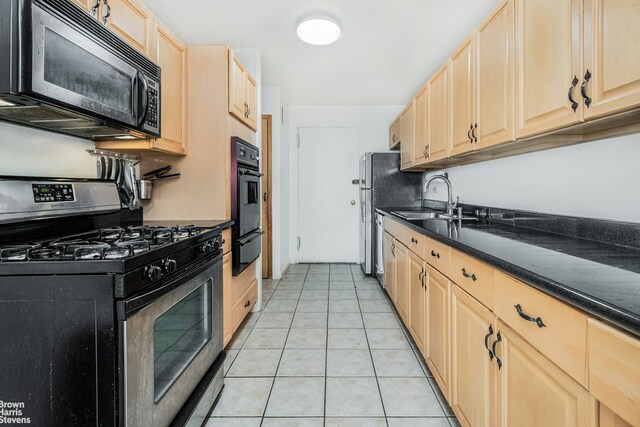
(353, 202)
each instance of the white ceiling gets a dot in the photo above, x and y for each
(387, 50)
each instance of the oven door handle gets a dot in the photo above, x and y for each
(252, 173)
(253, 237)
(134, 304)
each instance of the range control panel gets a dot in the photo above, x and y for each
(47, 193)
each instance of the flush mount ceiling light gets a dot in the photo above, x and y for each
(319, 31)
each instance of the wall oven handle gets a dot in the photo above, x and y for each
(257, 234)
(132, 305)
(144, 109)
(251, 173)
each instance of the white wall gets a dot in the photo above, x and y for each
(373, 130)
(31, 152)
(595, 180)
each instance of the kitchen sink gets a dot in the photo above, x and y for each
(427, 215)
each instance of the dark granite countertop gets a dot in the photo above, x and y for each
(600, 278)
(208, 223)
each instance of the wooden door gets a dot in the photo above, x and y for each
(389, 266)
(438, 328)
(251, 97)
(495, 74)
(131, 21)
(402, 281)
(408, 129)
(548, 46)
(227, 304)
(612, 37)
(438, 115)
(421, 142)
(532, 391)
(472, 367)
(417, 298)
(237, 87)
(171, 55)
(265, 150)
(394, 135)
(462, 98)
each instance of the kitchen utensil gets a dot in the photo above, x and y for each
(136, 198)
(109, 168)
(103, 168)
(116, 172)
(173, 175)
(124, 195)
(157, 172)
(145, 189)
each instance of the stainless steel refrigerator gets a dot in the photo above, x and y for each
(382, 185)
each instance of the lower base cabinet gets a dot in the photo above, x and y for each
(402, 281)
(226, 297)
(417, 300)
(239, 296)
(389, 266)
(438, 328)
(534, 392)
(473, 331)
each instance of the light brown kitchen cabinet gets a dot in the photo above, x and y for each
(90, 6)
(611, 61)
(608, 418)
(402, 281)
(473, 330)
(614, 370)
(548, 69)
(417, 300)
(394, 134)
(438, 115)
(421, 141)
(408, 132)
(389, 266)
(438, 328)
(494, 72)
(532, 391)
(462, 98)
(242, 92)
(131, 20)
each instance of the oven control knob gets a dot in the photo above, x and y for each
(169, 265)
(153, 273)
(216, 245)
(206, 248)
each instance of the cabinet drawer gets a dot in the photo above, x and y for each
(244, 304)
(411, 239)
(241, 283)
(473, 276)
(438, 255)
(226, 240)
(556, 330)
(614, 370)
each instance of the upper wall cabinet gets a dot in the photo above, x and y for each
(548, 67)
(91, 6)
(242, 92)
(494, 66)
(438, 115)
(130, 20)
(462, 98)
(408, 132)
(394, 134)
(421, 148)
(611, 69)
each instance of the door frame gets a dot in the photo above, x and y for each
(267, 196)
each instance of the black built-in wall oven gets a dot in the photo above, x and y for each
(245, 203)
(62, 70)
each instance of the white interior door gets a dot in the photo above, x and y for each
(328, 204)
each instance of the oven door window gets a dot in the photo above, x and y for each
(179, 335)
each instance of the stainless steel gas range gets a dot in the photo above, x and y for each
(105, 323)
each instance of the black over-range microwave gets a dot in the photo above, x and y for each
(62, 70)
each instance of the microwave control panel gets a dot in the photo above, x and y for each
(47, 193)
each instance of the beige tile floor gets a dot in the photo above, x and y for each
(326, 350)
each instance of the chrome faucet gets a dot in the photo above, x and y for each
(451, 205)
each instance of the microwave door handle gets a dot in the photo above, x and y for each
(145, 99)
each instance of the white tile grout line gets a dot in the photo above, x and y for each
(375, 372)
